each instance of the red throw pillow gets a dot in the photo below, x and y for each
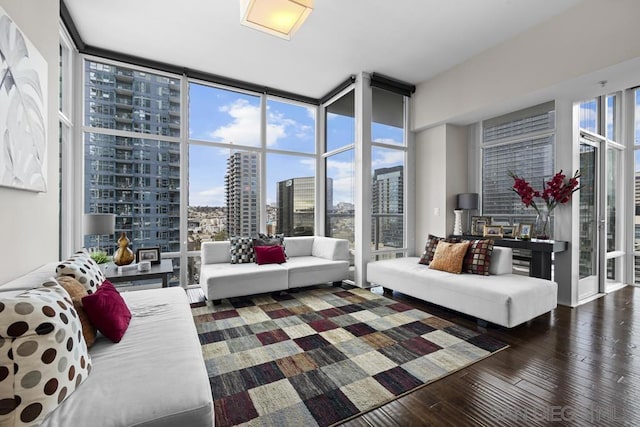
(107, 311)
(269, 254)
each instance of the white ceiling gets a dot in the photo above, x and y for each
(409, 40)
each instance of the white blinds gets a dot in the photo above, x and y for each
(521, 142)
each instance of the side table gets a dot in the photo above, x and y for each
(158, 271)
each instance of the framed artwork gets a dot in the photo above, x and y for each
(23, 110)
(509, 231)
(492, 231)
(478, 223)
(148, 254)
(524, 231)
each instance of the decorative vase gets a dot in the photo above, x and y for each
(124, 255)
(541, 229)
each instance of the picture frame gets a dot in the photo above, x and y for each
(524, 231)
(510, 231)
(23, 111)
(493, 231)
(478, 223)
(151, 254)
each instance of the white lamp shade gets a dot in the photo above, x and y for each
(280, 18)
(99, 224)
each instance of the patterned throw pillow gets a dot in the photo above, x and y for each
(84, 269)
(76, 291)
(270, 240)
(43, 357)
(449, 257)
(478, 257)
(430, 247)
(242, 250)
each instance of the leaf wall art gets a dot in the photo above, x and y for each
(23, 114)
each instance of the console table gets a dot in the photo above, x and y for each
(541, 250)
(157, 271)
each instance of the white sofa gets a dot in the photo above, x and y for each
(502, 298)
(155, 376)
(311, 260)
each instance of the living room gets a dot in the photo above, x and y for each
(558, 64)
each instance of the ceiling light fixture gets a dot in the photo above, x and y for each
(280, 18)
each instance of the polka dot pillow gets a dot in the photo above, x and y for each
(84, 269)
(43, 356)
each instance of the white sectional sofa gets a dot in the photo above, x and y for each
(155, 376)
(502, 298)
(311, 260)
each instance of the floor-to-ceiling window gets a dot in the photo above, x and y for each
(66, 126)
(636, 178)
(388, 173)
(339, 155)
(131, 136)
(521, 143)
(251, 167)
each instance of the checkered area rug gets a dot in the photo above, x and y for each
(321, 356)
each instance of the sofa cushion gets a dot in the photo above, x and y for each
(219, 281)
(215, 252)
(83, 269)
(449, 257)
(269, 254)
(330, 248)
(241, 250)
(501, 261)
(41, 340)
(299, 246)
(76, 291)
(267, 240)
(108, 311)
(311, 270)
(478, 257)
(430, 247)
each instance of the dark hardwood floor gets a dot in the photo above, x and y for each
(573, 366)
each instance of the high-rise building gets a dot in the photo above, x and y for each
(296, 205)
(138, 179)
(242, 189)
(387, 209)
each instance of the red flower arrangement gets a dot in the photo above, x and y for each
(557, 190)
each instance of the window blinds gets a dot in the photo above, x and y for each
(521, 142)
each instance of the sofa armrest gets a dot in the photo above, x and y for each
(215, 252)
(501, 261)
(330, 248)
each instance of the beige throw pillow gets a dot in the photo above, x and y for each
(449, 257)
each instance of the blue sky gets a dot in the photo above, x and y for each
(223, 116)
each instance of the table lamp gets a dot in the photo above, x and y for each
(98, 224)
(466, 202)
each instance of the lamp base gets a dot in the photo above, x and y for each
(457, 224)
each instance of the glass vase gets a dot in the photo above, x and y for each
(542, 229)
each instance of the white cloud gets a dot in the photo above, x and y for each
(343, 180)
(245, 127)
(387, 158)
(212, 197)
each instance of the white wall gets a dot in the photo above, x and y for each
(590, 37)
(30, 220)
(441, 173)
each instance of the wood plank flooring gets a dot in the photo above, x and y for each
(577, 366)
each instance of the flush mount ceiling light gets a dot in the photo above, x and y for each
(280, 18)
